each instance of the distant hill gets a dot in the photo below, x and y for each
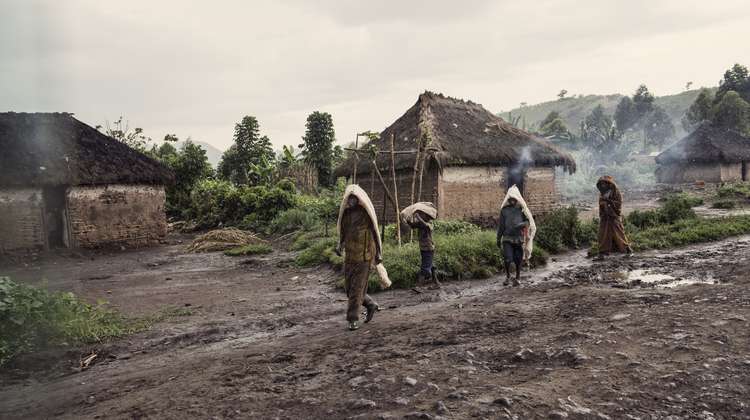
(212, 153)
(574, 109)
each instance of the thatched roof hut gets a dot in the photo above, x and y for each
(460, 133)
(708, 144)
(707, 154)
(470, 155)
(56, 149)
(65, 184)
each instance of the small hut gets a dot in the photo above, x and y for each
(65, 184)
(707, 154)
(461, 157)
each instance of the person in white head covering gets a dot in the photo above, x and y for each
(360, 241)
(515, 233)
(420, 216)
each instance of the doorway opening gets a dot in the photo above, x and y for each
(55, 217)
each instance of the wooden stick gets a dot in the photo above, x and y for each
(385, 203)
(414, 182)
(385, 186)
(356, 159)
(395, 189)
(421, 172)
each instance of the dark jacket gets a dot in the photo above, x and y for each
(358, 236)
(510, 227)
(425, 233)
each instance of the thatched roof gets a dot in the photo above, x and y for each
(459, 133)
(56, 149)
(708, 144)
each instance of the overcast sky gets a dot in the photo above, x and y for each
(195, 70)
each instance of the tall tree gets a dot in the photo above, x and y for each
(643, 101)
(598, 132)
(626, 115)
(658, 127)
(553, 125)
(733, 112)
(700, 110)
(318, 145)
(120, 131)
(189, 165)
(249, 148)
(736, 79)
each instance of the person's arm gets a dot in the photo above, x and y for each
(419, 222)
(342, 234)
(500, 229)
(378, 252)
(525, 222)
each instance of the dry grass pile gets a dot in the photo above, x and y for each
(222, 240)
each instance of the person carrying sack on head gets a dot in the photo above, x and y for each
(360, 241)
(515, 233)
(611, 230)
(420, 216)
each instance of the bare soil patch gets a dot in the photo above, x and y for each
(578, 339)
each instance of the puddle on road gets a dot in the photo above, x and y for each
(659, 280)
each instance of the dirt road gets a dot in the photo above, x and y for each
(659, 335)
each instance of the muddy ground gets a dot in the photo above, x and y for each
(658, 335)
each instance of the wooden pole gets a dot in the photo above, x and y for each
(414, 182)
(385, 204)
(356, 159)
(386, 191)
(395, 190)
(421, 172)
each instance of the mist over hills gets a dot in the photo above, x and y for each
(575, 108)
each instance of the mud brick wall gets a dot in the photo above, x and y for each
(731, 172)
(21, 220)
(371, 184)
(116, 215)
(540, 190)
(689, 173)
(472, 193)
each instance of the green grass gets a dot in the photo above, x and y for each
(252, 249)
(675, 224)
(690, 231)
(33, 318)
(725, 204)
(319, 251)
(464, 251)
(741, 190)
(460, 256)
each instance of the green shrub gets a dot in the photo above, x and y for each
(735, 191)
(561, 229)
(642, 219)
(454, 227)
(725, 204)
(294, 219)
(440, 227)
(252, 249)
(221, 203)
(691, 231)
(320, 251)
(676, 207)
(32, 318)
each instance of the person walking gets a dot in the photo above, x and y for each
(420, 216)
(360, 242)
(612, 236)
(515, 233)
